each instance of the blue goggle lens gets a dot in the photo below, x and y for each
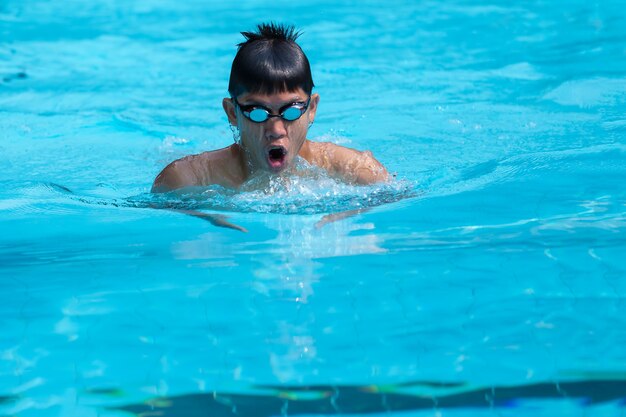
(260, 114)
(290, 114)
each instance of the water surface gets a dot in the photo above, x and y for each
(494, 262)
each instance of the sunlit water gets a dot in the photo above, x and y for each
(488, 277)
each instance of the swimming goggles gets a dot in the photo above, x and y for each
(260, 114)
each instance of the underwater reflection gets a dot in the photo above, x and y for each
(296, 241)
(280, 273)
(352, 399)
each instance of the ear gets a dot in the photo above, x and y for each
(229, 109)
(315, 98)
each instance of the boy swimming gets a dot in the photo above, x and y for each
(270, 109)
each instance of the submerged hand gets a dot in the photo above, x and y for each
(333, 217)
(215, 219)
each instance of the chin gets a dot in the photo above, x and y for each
(278, 170)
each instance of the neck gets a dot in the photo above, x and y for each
(244, 169)
(306, 152)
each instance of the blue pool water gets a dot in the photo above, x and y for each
(488, 279)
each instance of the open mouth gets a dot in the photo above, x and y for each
(276, 156)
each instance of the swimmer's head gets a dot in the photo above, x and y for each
(269, 62)
(271, 78)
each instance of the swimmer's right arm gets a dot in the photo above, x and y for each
(176, 175)
(179, 175)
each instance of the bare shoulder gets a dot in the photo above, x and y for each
(352, 165)
(214, 167)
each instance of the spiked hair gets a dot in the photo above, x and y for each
(270, 61)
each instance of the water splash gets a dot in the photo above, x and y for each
(283, 195)
(309, 192)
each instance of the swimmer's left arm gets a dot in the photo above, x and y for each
(355, 166)
(370, 171)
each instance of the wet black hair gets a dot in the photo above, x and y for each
(270, 61)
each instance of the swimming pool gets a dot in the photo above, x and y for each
(488, 279)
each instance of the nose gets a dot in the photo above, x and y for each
(275, 128)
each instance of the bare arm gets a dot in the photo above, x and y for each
(218, 220)
(178, 174)
(222, 167)
(352, 165)
(333, 217)
(368, 170)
